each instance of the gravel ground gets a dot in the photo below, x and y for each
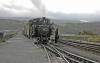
(84, 53)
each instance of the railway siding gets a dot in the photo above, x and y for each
(81, 44)
(70, 57)
(78, 39)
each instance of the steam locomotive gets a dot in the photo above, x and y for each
(39, 29)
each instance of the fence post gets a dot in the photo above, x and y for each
(88, 39)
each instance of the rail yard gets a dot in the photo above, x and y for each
(20, 48)
(40, 42)
(67, 56)
(50, 31)
(84, 45)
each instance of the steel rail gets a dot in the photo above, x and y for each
(76, 57)
(63, 56)
(86, 46)
(57, 54)
(48, 55)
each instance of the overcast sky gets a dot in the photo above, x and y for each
(29, 8)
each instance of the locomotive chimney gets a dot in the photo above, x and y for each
(43, 18)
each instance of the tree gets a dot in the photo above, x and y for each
(80, 33)
(88, 32)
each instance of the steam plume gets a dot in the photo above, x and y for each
(40, 7)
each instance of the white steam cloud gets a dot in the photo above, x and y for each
(40, 7)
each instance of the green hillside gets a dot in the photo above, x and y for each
(69, 28)
(73, 28)
(7, 24)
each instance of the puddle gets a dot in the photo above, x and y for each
(61, 59)
(18, 38)
(9, 41)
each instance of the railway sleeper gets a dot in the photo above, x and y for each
(86, 47)
(68, 58)
(81, 59)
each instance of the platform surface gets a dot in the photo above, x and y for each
(20, 49)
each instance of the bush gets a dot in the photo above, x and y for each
(3, 40)
(87, 32)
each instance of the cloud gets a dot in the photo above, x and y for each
(40, 7)
(55, 15)
(5, 13)
(11, 8)
(75, 16)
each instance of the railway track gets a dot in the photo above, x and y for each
(65, 55)
(49, 56)
(86, 46)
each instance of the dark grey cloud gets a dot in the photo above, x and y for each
(42, 9)
(58, 15)
(5, 13)
(10, 13)
(75, 16)
(23, 11)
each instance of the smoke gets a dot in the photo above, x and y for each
(40, 7)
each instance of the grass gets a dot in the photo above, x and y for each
(94, 38)
(61, 24)
(74, 35)
(90, 38)
(67, 34)
(2, 40)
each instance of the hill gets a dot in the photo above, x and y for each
(51, 19)
(56, 20)
(9, 24)
(73, 28)
(70, 28)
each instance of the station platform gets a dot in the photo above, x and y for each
(20, 49)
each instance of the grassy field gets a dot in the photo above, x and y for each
(94, 38)
(74, 35)
(61, 24)
(73, 28)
